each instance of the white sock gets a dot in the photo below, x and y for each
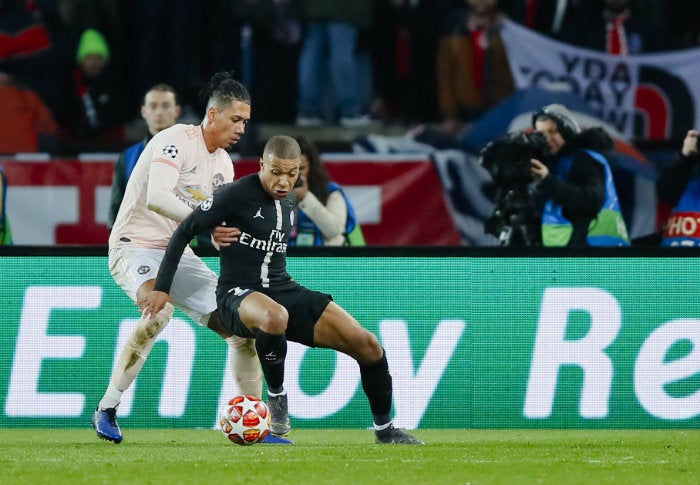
(245, 365)
(134, 355)
(112, 397)
(379, 427)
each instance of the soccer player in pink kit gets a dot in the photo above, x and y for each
(179, 168)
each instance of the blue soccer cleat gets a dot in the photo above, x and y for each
(105, 423)
(271, 439)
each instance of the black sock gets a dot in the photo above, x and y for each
(376, 382)
(272, 349)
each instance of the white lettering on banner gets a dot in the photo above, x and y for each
(338, 393)
(552, 350)
(609, 84)
(34, 345)
(652, 373)
(334, 398)
(670, 354)
(182, 342)
(414, 388)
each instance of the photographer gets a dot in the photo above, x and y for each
(679, 187)
(575, 179)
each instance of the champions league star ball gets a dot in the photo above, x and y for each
(245, 420)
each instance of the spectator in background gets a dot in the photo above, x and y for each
(472, 65)
(94, 108)
(325, 215)
(679, 187)
(621, 27)
(548, 17)
(26, 51)
(160, 109)
(66, 20)
(329, 54)
(269, 42)
(26, 124)
(581, 204)
(402, 41)
(5, 233)
(684, 18)
(161, 36)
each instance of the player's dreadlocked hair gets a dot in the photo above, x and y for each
(222, 89)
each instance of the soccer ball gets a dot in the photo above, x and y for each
(245, 420)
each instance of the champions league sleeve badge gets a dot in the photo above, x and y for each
(170, 151)
(206, 205)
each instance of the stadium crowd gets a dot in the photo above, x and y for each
(410, 61)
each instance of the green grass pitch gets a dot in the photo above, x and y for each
(350, 457)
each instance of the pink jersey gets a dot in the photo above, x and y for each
(180, 147)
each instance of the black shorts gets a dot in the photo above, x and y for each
(304, 306)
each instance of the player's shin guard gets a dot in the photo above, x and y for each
(245, 365)
(272, 350)
(134, 354)
(376, 382)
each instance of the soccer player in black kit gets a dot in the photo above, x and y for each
(258, 298)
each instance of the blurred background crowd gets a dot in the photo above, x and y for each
(74, 72)
(443, 77)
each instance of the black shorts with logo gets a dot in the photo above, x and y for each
(304, 306)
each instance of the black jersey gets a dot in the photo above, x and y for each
(258, 259)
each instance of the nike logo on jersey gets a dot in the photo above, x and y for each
(259, 214)
(271, 356)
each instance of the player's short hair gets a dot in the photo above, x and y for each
(282, 146)
(223, 89)
(162, 87)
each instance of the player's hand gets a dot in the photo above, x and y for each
(690, 143)
(223, 236)
(538, 169)
(301, 188)
(153, 302)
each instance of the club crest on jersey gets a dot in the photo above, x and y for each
(218, 180)
(170, 151)
(206, 205)
(143, 269)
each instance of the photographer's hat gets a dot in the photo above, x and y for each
(566, 123)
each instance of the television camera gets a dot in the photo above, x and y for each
(515, 220)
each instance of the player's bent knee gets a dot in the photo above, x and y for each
(274, 320)
(369, 347)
